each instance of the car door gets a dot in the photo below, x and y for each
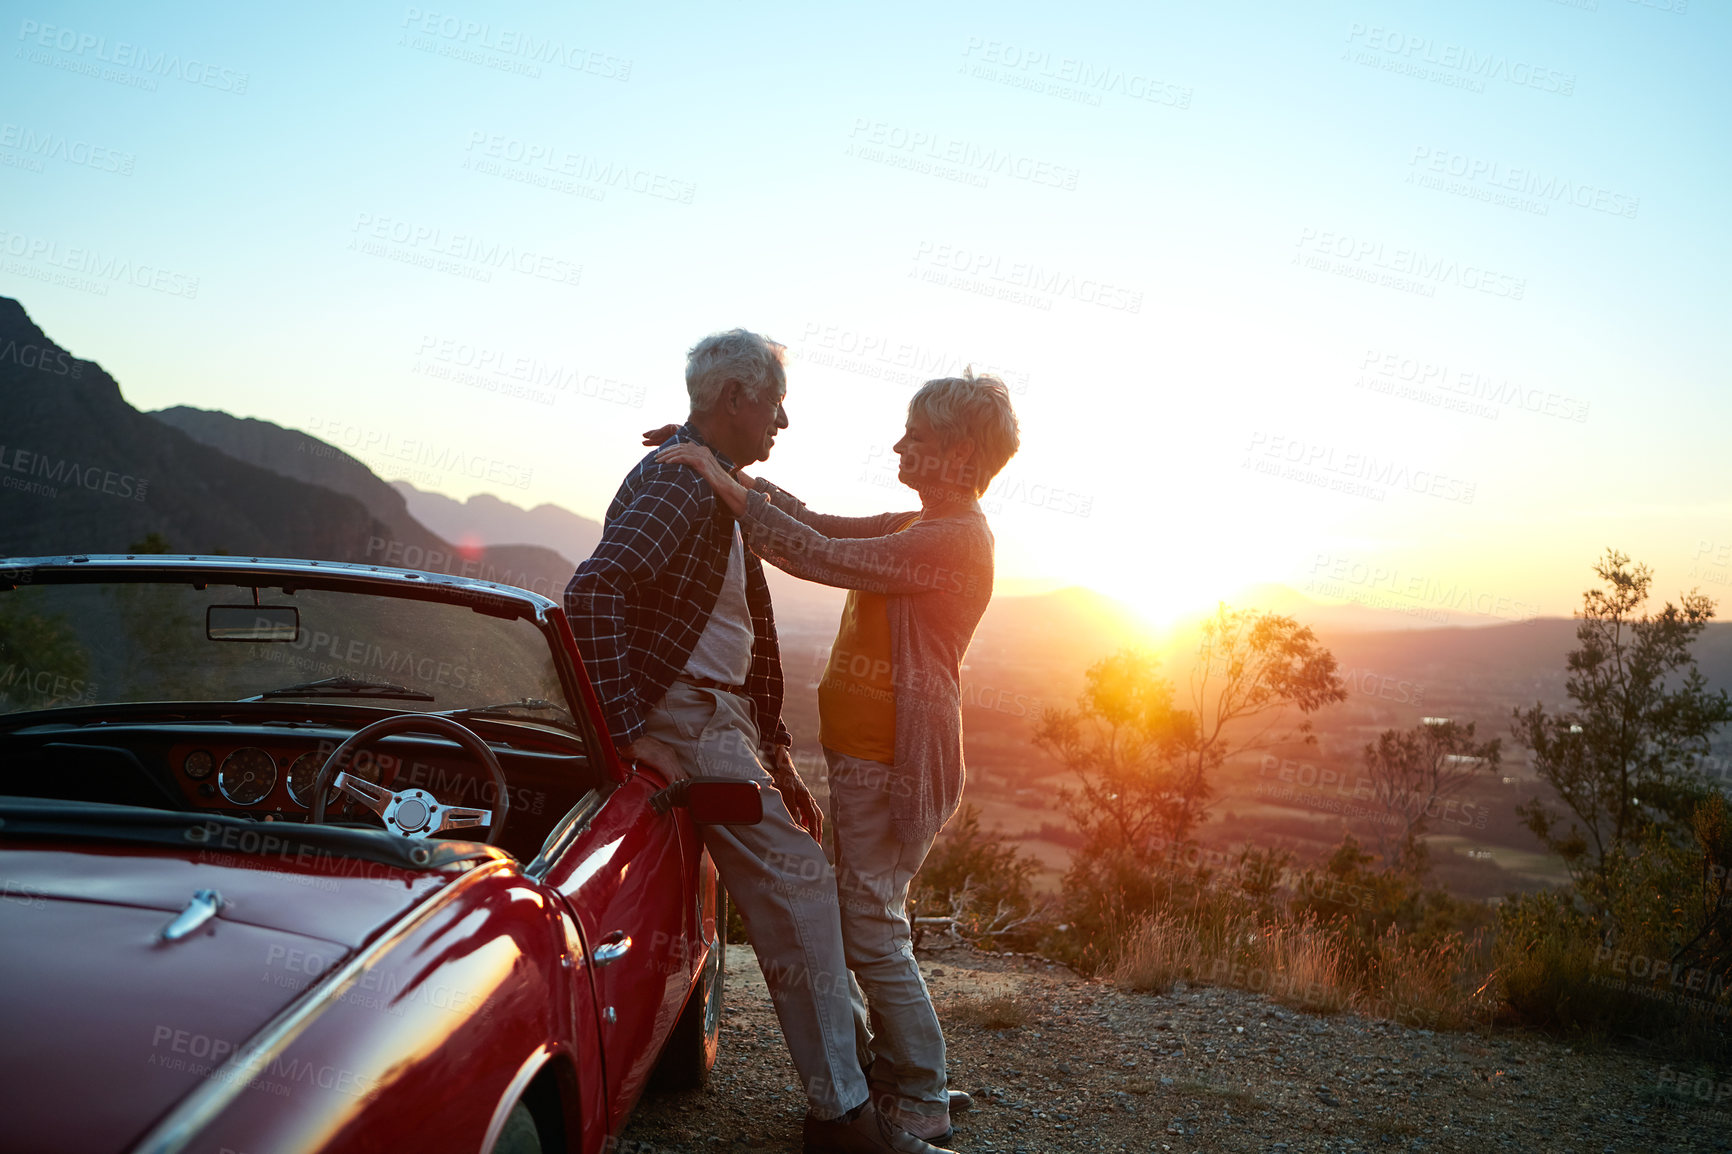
(628, 880)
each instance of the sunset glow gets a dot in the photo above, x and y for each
(1333, 289)
(1286, 704)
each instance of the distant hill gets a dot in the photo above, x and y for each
(302, 457)
(1040, 646)
(487, 520)
(1351, 616)
(409, 542)
(1513, 664)
(84, 471)
(1068, 628)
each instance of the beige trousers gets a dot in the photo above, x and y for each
(786, 892)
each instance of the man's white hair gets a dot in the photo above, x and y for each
(736, 356)
(971, 408)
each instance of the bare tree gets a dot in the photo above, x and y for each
(1414, 776)
(1143, 763)
(1122, 741)
(1252, 671)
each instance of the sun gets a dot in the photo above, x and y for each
(1165, 599)
(1171, 578)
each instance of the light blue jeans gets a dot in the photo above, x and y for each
(896, 1026)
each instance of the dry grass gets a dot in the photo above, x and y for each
(1306, 968)
(1000, 1012)
(1295, 962)
(1431, 986)
(1159, 952)
(1302, 964)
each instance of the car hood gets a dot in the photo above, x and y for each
(108, 1025)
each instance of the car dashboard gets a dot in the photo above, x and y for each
(266, 770)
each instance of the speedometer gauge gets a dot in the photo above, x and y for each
(301, 776)
(247, 776)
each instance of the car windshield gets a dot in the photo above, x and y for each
(98, 644)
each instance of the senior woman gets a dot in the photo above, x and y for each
(889, 703)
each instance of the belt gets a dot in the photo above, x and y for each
(707, 683)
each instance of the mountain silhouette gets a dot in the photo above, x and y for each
(82, 471)
(301, 457)
(409, 542)
(488, 521)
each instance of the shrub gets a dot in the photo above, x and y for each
(1436, 982)
(1544, 964)
(1334, 937)
(1365, 904)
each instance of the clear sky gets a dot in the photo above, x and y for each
(1370, 299)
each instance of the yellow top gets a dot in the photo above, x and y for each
(857, 696)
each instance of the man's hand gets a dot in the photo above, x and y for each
(801, 804)
(659, 754)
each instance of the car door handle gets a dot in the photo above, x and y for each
(612, 948)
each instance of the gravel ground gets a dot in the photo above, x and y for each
(1091, 1067)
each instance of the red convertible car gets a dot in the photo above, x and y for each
(298, 856)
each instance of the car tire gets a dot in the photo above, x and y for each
(692, 1047)
(520, 1135)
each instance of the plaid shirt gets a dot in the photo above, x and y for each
(638, 605)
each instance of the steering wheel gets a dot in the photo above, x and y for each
(415, 812)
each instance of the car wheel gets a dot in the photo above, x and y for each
(691, 1049)
(520, 1135)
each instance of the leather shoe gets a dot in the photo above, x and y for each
(866, 1132)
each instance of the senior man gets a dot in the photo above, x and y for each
(672, 615)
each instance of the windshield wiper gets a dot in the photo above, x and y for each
(344, 687)
(535, 704)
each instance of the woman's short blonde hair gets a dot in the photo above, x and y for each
(971, 408)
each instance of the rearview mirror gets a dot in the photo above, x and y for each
(714, 800)
(252, 623)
